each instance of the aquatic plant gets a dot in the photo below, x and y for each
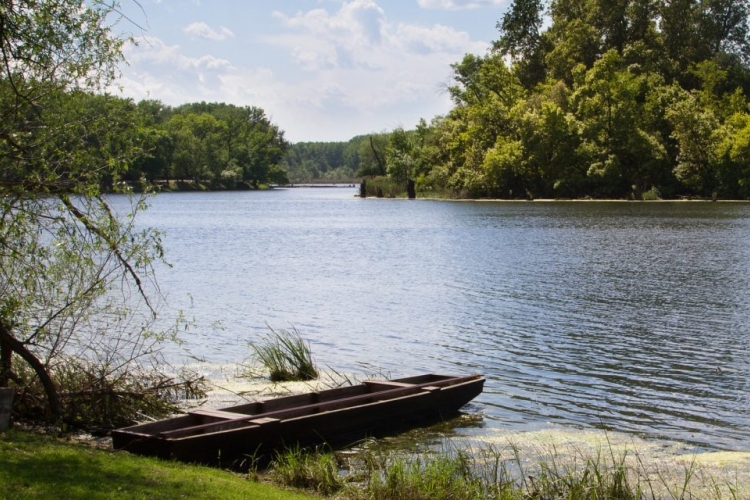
(285, 355)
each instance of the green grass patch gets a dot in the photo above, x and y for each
(39, 467)
(434, 478)
(319, 472)
(286, 356)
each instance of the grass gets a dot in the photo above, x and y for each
(497, 474)
(318, 472)
(286, 356)
(40, 467)
(420, 477)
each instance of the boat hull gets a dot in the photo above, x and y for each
(340, 417)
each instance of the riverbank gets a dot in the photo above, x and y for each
(662, 466)
(545, 464)
(44, 467)
(419, 462)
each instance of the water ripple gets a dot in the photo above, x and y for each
(618, 315)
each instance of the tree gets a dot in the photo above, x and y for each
(399, 157)
(200, 150)
(521, 38)
(695, 130)
(550, 138)
(217, 141)
(625, 155)
(72, 270)
(370, 152)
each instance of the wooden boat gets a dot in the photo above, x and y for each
(333, 416)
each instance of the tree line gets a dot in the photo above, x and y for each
(221, 144)
(593, 98)
(336, 161)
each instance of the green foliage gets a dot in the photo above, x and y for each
(384, 187)
(318, 472)
(609, 99)
(220, 144)
(285, 355)
(75, 275)
(495, 473)
(309, 161)
(439, 477)
(96, 396)
(398, 156)
(694, 129)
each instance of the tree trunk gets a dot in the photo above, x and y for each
(411, 190)
(381, 165)
(6, 362)
(50, 388)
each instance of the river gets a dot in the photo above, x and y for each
(633, 317)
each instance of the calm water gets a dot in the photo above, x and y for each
(625, 316)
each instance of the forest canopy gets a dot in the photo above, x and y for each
(592, 98)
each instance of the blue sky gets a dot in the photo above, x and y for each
(323, 70)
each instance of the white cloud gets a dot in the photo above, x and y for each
(459, 4)
(335, 40)
(357, 60)
(161, 71)
(424, 40)
(202, 30)
(359, 35)
(152, 51)
(336, 73)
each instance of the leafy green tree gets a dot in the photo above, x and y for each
(371, 154)
(72, 271)
(216, 141)
(399, 156)
(199, 148)
(522, 39)
(695, 130)
(551, 142)
(625, 154)
(733, 157)
(575, 43)
(500, 170)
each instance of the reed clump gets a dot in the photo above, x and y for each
(286, 356)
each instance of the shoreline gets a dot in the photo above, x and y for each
(567, 446)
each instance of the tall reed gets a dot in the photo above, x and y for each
(493, 473)
(286, 356)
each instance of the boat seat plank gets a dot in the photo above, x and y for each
(213, 413)
(387, 383)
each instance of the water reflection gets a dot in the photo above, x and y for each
(625, 316)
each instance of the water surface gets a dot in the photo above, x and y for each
(626, 316)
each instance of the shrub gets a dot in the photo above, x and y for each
(383, 187)
(95, 396)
